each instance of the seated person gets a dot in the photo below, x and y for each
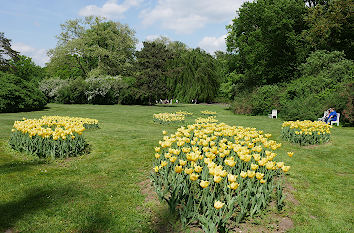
(332, 116)
(325, 116)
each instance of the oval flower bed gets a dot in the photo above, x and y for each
(306, 132)
(210, 119)
(213, 173)
(208, 113)
(51, 136)
(167, 118)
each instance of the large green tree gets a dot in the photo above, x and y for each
(152, 64)
(331, 26)
(92, 46)
(7, 54)
(266, 35)
(194, 76)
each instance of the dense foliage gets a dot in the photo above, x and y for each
(266, 35)
(17, 94)
(276, 45)
(91, 47)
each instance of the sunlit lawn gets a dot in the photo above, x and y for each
(100, 191)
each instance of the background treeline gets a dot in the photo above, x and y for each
(19, 80)
(292, 55)
(96, 62)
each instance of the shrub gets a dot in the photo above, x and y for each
(52, 136)
(264, 99)
(73, 92)
(211, 173)
(306, 132)
(103, 90)
(51, 87)
(17, 94)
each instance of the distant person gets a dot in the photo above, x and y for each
(325, 115)
(332, 116)
(176, 101)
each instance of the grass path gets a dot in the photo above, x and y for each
(100, 192)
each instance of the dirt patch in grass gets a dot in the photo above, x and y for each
(289, 193)
(148, 191)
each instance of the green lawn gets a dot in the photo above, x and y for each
(101, 191)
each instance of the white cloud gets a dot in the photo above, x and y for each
(212, 44)
(185, 16)
(110, 9)
(39, 56)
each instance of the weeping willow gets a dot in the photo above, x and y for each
(194, 76)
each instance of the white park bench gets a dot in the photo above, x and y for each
(337, 121)
(274, 114)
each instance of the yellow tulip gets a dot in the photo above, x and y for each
(232, 178)
(173, 159)
(280, 164)
(251, 174)
(193, 177)
(233, 185)
(243, 174)
(290, 154)
(188, 171)
(156, 169)
(218, 205)
(254, 166)
(285, 168)
(182, 162)
(157, 155)
(157, 149)
(204, 184)
(262, 181)
(217, 179)
(198, 168)
(259, 175)
(163, 163)
(178, 169)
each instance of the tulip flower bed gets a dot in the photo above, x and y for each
(214, 173)
(168, 118)
(210, 119)
(184, 113)
(306, 132)
(51, 136)
(208, 113)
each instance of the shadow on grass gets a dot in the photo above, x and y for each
(168, 106)
(98, 221)
(36, 199)
(19, 166)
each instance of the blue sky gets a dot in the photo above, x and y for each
(33, 24)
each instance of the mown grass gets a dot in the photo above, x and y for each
(101, 191)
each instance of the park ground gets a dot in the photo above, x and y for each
(108, 189)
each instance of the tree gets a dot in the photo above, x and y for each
(93, 46)
(152, 63)
(266, 35)
(194, 76)
(331, 27)
(26, 69)
(6, 53)
(17, 94)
